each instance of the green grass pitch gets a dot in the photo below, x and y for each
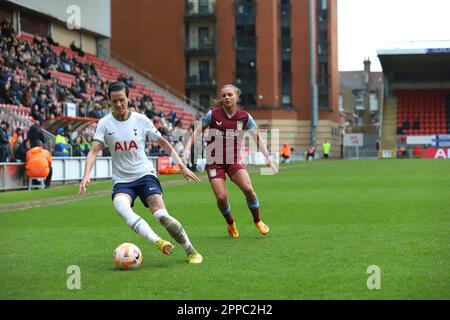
(329, 220)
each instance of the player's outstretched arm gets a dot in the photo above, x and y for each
(187, 148)
(90, 161)
(167, 147)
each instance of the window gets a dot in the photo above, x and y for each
(373, 102)
(203, 36)
(203, 6)
(34, 25)
(204, 70)
(245, 7)
(359, 100)
(323, 101)
(246, 50)
(6, 13)
(286, 99)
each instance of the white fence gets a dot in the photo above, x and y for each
(12, 174)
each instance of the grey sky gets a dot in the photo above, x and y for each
(367, 25)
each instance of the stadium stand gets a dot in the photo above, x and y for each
(38, 79)
(110, 73)
(416, 112)
(421, 112)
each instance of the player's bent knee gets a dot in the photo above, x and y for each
(121, 202)
(123, 209)
(222, 198)
(249, 192)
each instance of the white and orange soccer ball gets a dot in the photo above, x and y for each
(127, 256)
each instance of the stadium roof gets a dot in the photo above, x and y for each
(78, 123)
(417, 61)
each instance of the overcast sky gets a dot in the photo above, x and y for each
(367, 25)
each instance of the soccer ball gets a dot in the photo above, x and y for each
(127, 256)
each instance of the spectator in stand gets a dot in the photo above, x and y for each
(5, 95)
(51, 41)
(15, 147)
(5, 75)
(41, 101)
(21, 151)
(6, 28)
(71, 134)
(172, 117)
(36, 114)
(76, 49)
(4, 142)
(154, 149)
(92, 69)
(128, 80)
(163, 120)
(98, 111)
(85, 147)
(76, 147)
(149, 110)
(61, 145)
(18, 133)
(82, 112)
(35, 133)
(179, 147)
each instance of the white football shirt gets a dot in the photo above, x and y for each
(126, 142)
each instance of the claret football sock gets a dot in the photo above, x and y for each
(227, 214)
(253, 205)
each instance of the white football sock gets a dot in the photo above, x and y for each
(174, 228)
(134, 221)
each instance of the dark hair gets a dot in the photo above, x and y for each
(117, 86)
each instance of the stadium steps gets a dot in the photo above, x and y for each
(389, 133)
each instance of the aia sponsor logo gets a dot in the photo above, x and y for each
(125, 145)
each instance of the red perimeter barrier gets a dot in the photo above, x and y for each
(436, 153)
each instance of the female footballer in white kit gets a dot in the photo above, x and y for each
(125, 133)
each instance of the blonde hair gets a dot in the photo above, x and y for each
(237, 91)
